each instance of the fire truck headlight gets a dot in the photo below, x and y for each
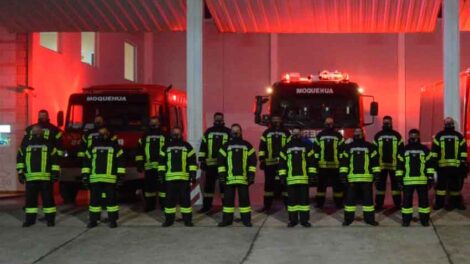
(269, 90)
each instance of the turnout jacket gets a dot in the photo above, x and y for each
(389, 143)
(327, 146)
(213, 138)
(297, 162)
(37, 159)
(449, 148)
(271, 143)
(88, 138)
(237, 162)
(104, 161)
(149, 149)
(50, 133)
(177, 161)
(415, 164)
(359, 161)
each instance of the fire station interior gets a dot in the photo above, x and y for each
(408, 59)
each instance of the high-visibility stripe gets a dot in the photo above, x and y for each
(424, 210)
(395, 192)
(221, 169)
(246, 209)
(20, 166)
(150, 194)
(282, 172)
(85, 170)
(186, 210)
(162, 194)
(454, 193)
(229, 210)
(406, 210)
(338, 194)
(268, 194)
(49, 210)
(94, 209)
(368, 208)
(292, 208)
(303, 208)
(55, 167)
(380, 192)
(252, 169)
(103, 195)
(192, 168)
(350, 208)
(170, 210)
(31, 210)
(222, 152)
(441, 192)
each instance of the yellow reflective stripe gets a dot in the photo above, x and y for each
(161, 167)
(31, 210)
(222, 152)
(261, 153)
(303, 208)
(399, 173)
(268, 194)
(252, 169)
(192, 168)
(282, 172)
(190, 153)
(20, 165)
(119, 153)
(150, 194)
(49, 210)
(162, 194)
(221, 169)
(350, 208)
(121, 170)
(454, 193)
(80, 154)
(202, 155)
(406, 210)
(251, 151)
(170, 210)
(368, 208)
(396, 192)
(292, 208)
(229, 210)
(424, 210)
(338, 194)
(441, 192)
(85, 170)
(343, 170)
(139, 158)
(380, 192)
(94, 209)
(186, 210)
(245, 210)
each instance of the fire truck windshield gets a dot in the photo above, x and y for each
(310, 112)
(128, 116)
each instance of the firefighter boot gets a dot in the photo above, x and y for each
(379, 202)
(169, 220)
(424, 219)
(30, 220)
(452, 202)
(50, 218)
(460, 203)
(267, 204)
(293, 219)
(246, 219)
(369, 218)
(227, 219)
(93, 219)
(320, 201)
(206, 205)
(397, 201)
(348, 218)
(439, 204)
(338, 199)
(304, 219)
(188, 220)
(113, 216)
(150, 204)
(406, 219)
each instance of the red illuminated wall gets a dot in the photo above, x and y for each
(54, 76)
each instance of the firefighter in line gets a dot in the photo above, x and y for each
(271, 143)
(148, 155)
(297, 169)
(359, 166)
(50, 132)
(38, 168)
(449, 148)
(214, 137)
(388, 143)
(237, 168)
(177, 170)
(102, 171)
(327, 146)
(89, 135)
(415, 171)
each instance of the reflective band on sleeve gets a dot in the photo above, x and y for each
(229, 210)
(350, 208)
(261, 153)
(85, 170)
(162, 194)
(55, 167)
(252, 169)
(119, 153)
(191, 153)
(441, 192)
(338, 194)
(221, 169)
(94, 209)
(49, 210)
(343, 170)
(454, 193)
(406, 210)
(170, 210)
(244, 210)
(186, 210)
(368, 208)
(103, 195)
(31, 210)
(282, 172)
(424, 210)
(150, 194)
(376, 169)
(161, 167)
(20, 166)
(121, 170)
(396, 192)
(222, 152)
(192, 168)
(202, 154)
(139, 158)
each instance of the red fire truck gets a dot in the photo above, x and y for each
(307, 101)
(126, 109)
(431, 118)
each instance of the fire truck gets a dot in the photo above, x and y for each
(431, 118)
(307, 101)
(126, 109)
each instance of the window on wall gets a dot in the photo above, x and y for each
(129, 61)
(88, 48)
(49, 40)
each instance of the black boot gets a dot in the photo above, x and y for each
(304, 219)
(460, 203)
(439, 204)
(50, 218)
(348, 218)
(293, 219)
(30, 220)
(406, 219)
(338, 202)
(188, 219)
(92, 224)
(169, 220)
(453, 201)
(227, 219)
(319, 202)
(424, 219)
(206, 205)
(267, 204)
(112, 224)
(246, 219)
(369, 218)
(379, 202)
(397, 201)
(150, 204)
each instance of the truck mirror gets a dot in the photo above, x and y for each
(374, 109)
(60, 118)
(260, 100)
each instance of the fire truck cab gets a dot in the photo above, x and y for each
(307, 101)
(126, 110)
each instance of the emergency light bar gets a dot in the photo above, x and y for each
(322, 76)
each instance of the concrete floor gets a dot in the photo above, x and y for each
(140, 239)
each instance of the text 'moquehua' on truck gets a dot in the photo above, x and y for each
(126, 109)
(307, 101)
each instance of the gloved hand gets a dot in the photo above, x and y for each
(251, 178)
(262, 165)
(119, 178)
(377, 178)
(312, 180)
(222, 178)
(283, 180)
(85, 180)
(344, 179)
(430, 180)
(192, 177)
(464, 168)
(21, 177)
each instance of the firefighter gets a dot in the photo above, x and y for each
(177, 169)
(214, 137)
(359, 167)
(102, 171)
(50, 132)
(449, 148)
(327, 146)
(388, 143)
(237, 168)
(415, 171)
(272, 141)
(297, 169)
(92, 134)
(147, 158)
(37, 166)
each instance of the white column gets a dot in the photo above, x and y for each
(451, 60)
(401, 62)
(194, 71)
